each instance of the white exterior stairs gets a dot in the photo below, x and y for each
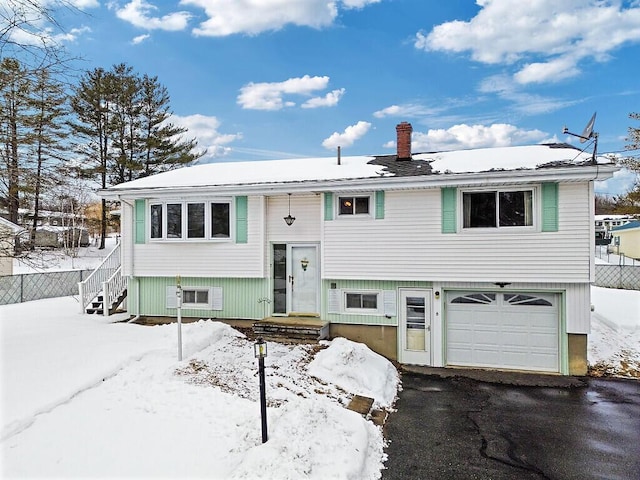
(105, 283)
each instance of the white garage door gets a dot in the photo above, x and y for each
(503, 330)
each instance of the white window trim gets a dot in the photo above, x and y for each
(207, 220)
(372, 206)
(196, 306)
(536, 207)
(362, 311)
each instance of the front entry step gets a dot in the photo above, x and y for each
(292, 329)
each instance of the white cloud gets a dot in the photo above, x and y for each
(412, 110)
(348, 137)
(331, 99)
(140, 39)
(269, 96)
(529, 104)
(205, 130)
(139, 13)
(357, 3)
(228, 17)
(464, 136)
(622, 181)
(555, 35)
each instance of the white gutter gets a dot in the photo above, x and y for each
(569, 174)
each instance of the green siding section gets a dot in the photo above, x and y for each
(364, 285)
(240, 297)
(328, 206)
(449, 196)
(242, 217)
(549, 207)
(139, 211)
(380, 204)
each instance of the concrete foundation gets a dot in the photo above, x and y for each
(379, 338)
(578, 364)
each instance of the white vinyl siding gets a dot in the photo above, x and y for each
(203, 259)
(308, 212)
(408, 244)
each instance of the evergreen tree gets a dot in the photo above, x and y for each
(126, 163)
(91, 103)
(49, 107)
(14, 93)
(164, 147)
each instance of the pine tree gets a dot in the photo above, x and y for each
(125, 118)
(164, 147)
(49, 107)
(92, 104)
(14, 92)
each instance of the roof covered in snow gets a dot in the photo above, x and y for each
(504, 159)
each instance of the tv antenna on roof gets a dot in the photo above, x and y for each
(587, 134)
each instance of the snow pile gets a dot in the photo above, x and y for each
(354, 367)
(85, 398)
(614, 343)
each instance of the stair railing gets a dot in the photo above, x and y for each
(93, 284)
(112, 289)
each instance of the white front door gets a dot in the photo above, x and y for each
(414, 343)
(303, 278)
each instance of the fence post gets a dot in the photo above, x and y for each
(22, 288)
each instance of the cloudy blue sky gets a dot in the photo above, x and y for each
(258, 79)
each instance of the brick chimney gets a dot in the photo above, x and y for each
(403, 131)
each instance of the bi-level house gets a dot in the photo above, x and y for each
(475, 258)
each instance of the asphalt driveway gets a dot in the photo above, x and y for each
(507, 428)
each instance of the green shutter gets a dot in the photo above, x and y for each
(328, 206)
(241, 219)
(380, 204)
(139, 210)
(549, 207)
(449, 196)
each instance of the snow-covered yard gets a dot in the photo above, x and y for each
(81, 397)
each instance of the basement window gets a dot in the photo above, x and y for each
(362, 302)
(195, 297)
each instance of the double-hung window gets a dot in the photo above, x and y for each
(190, 220)
(498, 208)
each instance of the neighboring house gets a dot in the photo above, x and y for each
(605, 223)
(626, 239)
(474, 258)
(8, 233)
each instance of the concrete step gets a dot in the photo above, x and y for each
(293, 329)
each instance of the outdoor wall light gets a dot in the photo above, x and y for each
(289, 219)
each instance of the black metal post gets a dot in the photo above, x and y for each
(263, 399)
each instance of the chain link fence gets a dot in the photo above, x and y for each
(618, 276)
(35, 286)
